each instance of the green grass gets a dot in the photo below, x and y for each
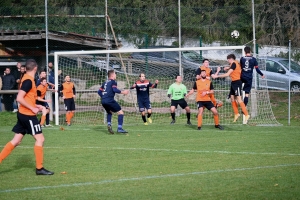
(158, 161)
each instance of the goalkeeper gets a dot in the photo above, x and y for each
(142, 91)
(177, 92)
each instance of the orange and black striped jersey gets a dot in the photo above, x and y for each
(68, 89)
(237, 70)
(203, 85)
(28, 85)
(41, 90)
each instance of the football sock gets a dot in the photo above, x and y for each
(120, 121)
(6, 151)
(199, 120)
(244, 109)
(246, 101)
(213, 100)
(188, 116)
(68, 117)
(43, 118)
(235, 107)
(39, 156)
(216, 119)
(173, 116)
(144, 118)
(109, 116)
(47, 119)
(71, 115)
(149, 115)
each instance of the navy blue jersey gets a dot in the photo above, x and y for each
(248, 63)
(107, 90)
(142, 89)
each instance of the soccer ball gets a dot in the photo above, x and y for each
(235, 34)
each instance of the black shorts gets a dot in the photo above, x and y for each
(247, 85)
(27, 124)
(45, 104)
(144, 103)
(111, 106)
(181, 102)
(207, 104)
(69, 104)
(236, 88)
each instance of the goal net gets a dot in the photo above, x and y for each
(88, 70)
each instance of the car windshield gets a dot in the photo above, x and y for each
(192, 56)
(294, 66)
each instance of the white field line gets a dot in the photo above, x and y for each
(169, 150)
(145, 178)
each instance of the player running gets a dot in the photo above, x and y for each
(204, 89)
(107, 93)
(234, 71)
(248, 63)
(177, 92)
(142, 91)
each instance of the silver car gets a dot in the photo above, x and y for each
(278, 75)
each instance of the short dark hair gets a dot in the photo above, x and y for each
(42, 79)
(231, 56)
(203, 70)
(110, 72)
(247, 49)
(30, 64)
(205, 60)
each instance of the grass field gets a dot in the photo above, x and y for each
(157, 162)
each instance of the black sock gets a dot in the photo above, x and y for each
(173, 116)
(188, 116)
(144, 118)
(149, 115)
(246, 101)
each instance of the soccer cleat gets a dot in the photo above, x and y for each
(236, 117)
(48, 125)
(109, 128)
(42, 125)
(188, 122)
(247, 118)
(120, 130)
(69, 124)
(43, 171)
(150, 120)
(199, 128)
(219, 127)
(172, 122)
(145, 123)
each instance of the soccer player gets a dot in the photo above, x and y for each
(248, 63)
(68, 94)
(204, 88)
(27, 121)
(44, 107)
(142, 91)
(205, 66)
(107, 93)
(177, 92)
(234, 71)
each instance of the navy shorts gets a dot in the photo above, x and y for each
(144, 103)
(181, 102)
(111, 106)
(45, 104)
(207, 104)
(236, 88)
(247, 85)
(27, 124)
(69, 104)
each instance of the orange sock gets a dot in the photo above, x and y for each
(199, 120)
(244, 109)
(71, 115)
(68, 117)
(213, 100)
(216, 118)
(235, 107)
(6, 151)
(39, 156)
(43, 118)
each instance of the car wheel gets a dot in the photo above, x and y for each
(295, 87)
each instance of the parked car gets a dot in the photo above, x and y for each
(190, 61)
(278, 75)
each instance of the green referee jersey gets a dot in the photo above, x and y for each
(177, 91)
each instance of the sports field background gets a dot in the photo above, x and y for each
(159, 161)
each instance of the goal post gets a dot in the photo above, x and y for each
(88, 70)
